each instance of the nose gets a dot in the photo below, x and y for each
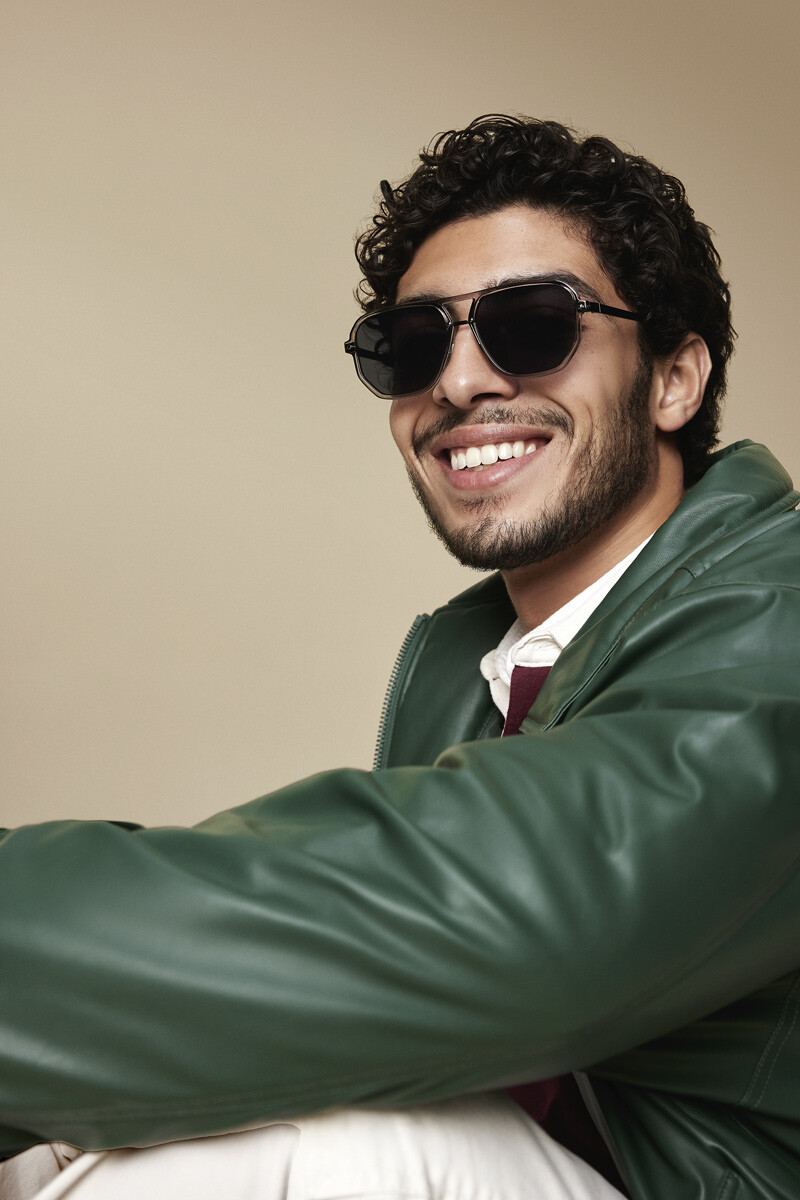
(469, 376)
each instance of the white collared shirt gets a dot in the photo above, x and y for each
(540, 647)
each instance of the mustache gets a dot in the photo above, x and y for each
(550, 418)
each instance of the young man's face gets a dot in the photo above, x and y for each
(589, 440)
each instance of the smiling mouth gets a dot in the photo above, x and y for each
(477, 457)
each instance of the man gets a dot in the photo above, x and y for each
(610, 889)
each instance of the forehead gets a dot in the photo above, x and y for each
(473, 253)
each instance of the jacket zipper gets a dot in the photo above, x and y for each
(388, 703)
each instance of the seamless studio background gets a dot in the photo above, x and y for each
(210, 550)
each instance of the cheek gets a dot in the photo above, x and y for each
(396, 427)
(401, 424)
(394, 422)
(595, 400)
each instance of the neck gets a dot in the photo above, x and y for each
(540, 589)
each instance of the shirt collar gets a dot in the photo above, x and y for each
(540, 647)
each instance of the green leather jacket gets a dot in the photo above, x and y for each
(615, 893)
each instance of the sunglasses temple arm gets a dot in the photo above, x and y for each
(350, 348)
(593, 306)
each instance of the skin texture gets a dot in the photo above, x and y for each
(606, 472)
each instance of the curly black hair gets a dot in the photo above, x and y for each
(660, 259)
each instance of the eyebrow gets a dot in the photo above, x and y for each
(580, 285)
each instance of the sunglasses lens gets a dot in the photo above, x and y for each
(401, 351)
(528, 330)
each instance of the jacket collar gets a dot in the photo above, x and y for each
(744, 485)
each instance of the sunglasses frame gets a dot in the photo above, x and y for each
(581, 307)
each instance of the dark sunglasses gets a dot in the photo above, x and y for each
(522, 328)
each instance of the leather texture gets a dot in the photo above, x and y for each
(615, 891)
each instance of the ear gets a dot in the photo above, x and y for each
(679, 381)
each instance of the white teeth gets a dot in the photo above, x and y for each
(488, 455)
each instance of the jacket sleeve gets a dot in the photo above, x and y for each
(521, 908)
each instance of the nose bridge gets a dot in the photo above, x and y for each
(468, 375)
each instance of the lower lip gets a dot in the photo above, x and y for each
(472, 479)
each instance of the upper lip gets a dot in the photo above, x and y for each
(485, 435)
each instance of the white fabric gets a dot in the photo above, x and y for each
(540, 647)
(473, 1148)
(27, 1173)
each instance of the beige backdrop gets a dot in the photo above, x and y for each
(210, 550)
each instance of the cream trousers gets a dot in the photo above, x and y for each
(473, 1148)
